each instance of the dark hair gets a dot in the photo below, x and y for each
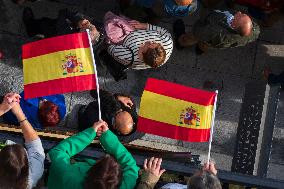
(204, 180)
(105, 174)
(48, 114)
(14, 167)
(154, 57)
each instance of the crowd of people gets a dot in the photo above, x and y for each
(129, 39)
(22, 167)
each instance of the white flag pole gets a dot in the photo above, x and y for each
(212, 127)
(96, 73)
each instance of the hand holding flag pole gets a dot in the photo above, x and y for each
(96, 73)
(212, 128)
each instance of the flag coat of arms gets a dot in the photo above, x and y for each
(176, 111)
(58, 65)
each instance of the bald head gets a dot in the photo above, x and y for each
(123, 123)
(242, 23)
(183, 2)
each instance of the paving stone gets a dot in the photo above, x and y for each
(231, 95)
(272, 36)
(275, 171)
(237, 61)
(279, 122)
(268, 55)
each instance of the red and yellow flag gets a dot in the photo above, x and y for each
(176, 111)
(58, 65)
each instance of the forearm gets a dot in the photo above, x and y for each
(27, 129)
(147, 181)
(72, 145)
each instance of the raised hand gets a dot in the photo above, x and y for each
(100, 127)
(153, 166)
(9, 101)
(210, 167)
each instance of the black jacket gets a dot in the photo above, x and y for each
(89, 114)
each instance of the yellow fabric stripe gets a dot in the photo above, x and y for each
(174, 111)
(53, 66)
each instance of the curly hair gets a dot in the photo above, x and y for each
(14, 167)
(49, 114)
(105, 174)
(155, 57)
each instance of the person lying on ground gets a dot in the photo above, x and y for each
(116, 170)
(41, 112)
(202, 179)
(148, 46)
(267, 12)
(21, 168)
(218, 30)
(118, 110)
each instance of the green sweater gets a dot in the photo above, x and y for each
(63, 174)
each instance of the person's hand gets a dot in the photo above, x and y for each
(9, 101)
(210, 167)
(153, 166)
(84, 24)
(100, 127)
(126, 101)
(138, 25)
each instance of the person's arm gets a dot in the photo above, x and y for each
(128, 165)
(33, 145)
(125, 100)
(28, 131)
(36, 160)
(73, 145)
(151, 173)
(145, 26)
(121, 54)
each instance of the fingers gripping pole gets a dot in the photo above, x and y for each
(96, 73)
(212, 127)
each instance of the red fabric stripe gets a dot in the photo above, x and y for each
(60, 86)
(182, 92)
(54, 44)
(172, 131)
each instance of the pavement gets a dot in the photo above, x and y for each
(229, 69)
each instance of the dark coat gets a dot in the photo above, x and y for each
(89, 114)
(214, 30)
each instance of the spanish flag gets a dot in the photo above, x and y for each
(58, 65)
(176, 111)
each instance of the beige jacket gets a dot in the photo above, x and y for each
(148, 180)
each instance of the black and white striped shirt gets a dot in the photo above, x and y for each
(127, 53)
